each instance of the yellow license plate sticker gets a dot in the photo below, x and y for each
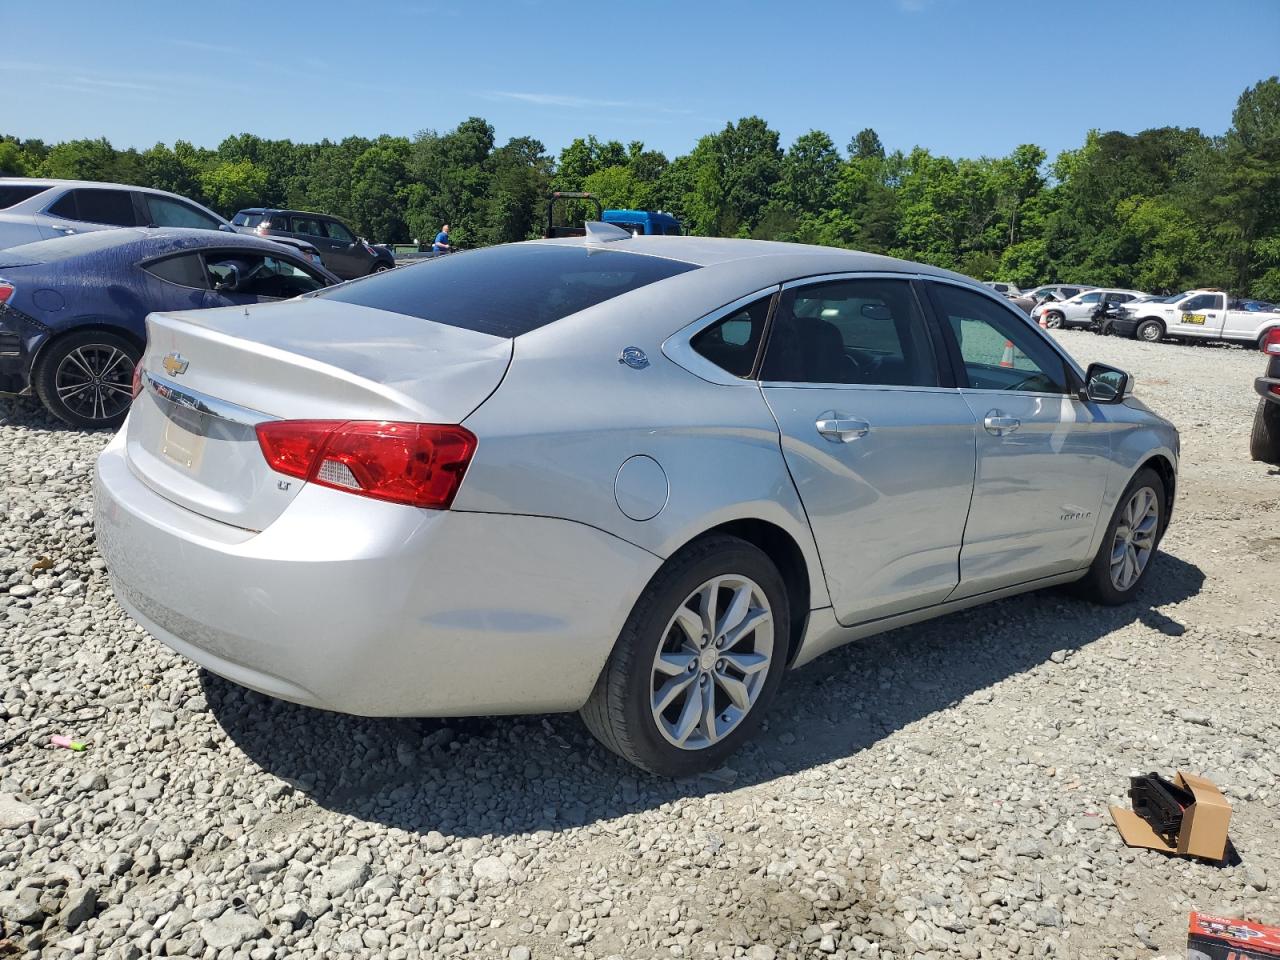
(183, 440)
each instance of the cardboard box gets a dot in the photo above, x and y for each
(1204, 823)
(1221, 938)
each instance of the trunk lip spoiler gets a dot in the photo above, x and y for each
(203, 402)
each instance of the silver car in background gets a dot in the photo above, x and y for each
(639, 477)
(1077, 311)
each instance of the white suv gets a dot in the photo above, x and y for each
(1077, 311)
(38, 209)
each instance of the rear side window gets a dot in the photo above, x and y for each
(523, 285)
(114, 207)
(732, 343)
(305, 225)
(186, 270)
(15, 193)
(851, 331)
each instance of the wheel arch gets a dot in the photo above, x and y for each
(785, 553)
(85, 325)
(1164, 469)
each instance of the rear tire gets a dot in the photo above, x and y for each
(1264, 442)
(85, 379)
(380, 267)
(1130, 544)
(1150, 331)
(662, 680)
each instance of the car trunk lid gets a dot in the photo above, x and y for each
(212, 375)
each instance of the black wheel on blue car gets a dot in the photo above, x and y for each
(698, 661)
(1130, 543)
(85, 379)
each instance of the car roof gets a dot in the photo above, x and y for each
(56, 182)
(714, 251)
(142, 242)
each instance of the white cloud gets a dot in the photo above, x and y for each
(573, 102)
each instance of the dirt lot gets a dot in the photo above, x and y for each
(939, 791)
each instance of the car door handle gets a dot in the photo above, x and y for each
(63, 227)
(840, 429)
(998, 424)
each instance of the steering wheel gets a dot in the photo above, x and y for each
(1028, 383)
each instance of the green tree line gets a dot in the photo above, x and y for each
(1163, 209)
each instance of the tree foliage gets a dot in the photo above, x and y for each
(1161, 209)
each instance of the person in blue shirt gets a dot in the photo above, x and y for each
(441, 244)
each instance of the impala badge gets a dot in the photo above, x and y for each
(174, 364)
(634, 358)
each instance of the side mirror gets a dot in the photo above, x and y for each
(230, 281)
(1104, 384)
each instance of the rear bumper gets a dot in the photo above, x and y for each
(372, 608)
(1268, 387)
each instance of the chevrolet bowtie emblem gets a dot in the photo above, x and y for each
(174, 364)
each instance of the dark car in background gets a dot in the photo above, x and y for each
(1264, 442)
(73, 309)
(342, 251)
(33, 208)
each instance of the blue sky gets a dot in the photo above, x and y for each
(963, 77)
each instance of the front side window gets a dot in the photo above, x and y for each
(999, 351)
(338, 232)
(186, 270)
(91, 205)
(261, 276)
(868, 331)
(1204, 301)
(166, 212)
(308, 226)
(733, 342)
(527, 285)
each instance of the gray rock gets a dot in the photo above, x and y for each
(342, 876)
(520, 953)
(23, 909)
(162, 720)
(231, 930)
(79, 906)
(762, 951)
(1255, 877)
(14, 813)
(490, 870)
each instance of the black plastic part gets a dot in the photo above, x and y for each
(1160, 803)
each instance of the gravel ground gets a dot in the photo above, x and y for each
(938, 791)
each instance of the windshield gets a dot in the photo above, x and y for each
(524, 285)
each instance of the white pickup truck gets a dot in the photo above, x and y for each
(1200, 315)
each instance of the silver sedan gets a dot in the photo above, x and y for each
(639, 477)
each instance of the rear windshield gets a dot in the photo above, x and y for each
(247, 219)
(11, 193)
(508, 290)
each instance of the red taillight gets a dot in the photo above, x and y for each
(6, 291)
(420, 464)
(1270, 340)
(137, 379)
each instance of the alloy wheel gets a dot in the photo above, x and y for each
(1135, 538)
(95, 381)
(1053, 321)
(712, 663)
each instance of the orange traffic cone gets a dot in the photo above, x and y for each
(1043, 322)
(1007, 359)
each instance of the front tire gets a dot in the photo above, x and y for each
(697, 663)
(85, 379)
(1129, 546)
(1150, 331)
(1053, 320)
(1264, 442)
